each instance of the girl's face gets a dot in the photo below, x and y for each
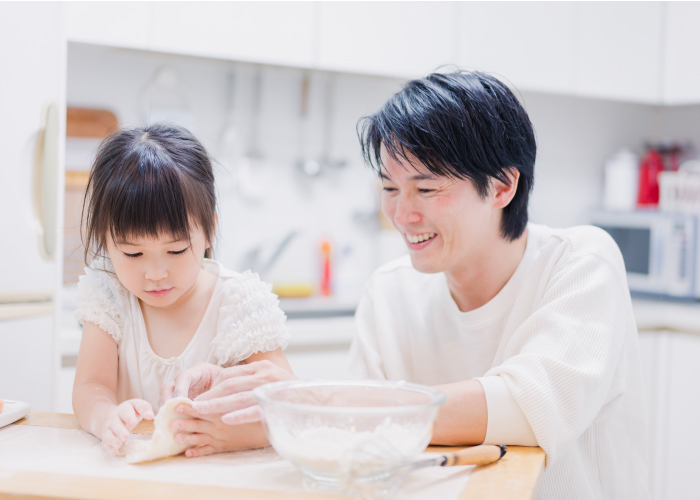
(159, 271)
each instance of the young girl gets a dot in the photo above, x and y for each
(151, 302)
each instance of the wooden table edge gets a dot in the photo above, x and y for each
(515, 476)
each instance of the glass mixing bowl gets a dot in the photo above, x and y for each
(317, 425)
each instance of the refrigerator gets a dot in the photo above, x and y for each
(32, 117)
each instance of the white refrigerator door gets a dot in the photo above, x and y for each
(26, 367)
(31, 59)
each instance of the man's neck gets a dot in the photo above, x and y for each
(476, 284)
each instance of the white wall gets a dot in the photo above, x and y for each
(575, 136)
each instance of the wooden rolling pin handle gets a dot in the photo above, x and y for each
(478, 455)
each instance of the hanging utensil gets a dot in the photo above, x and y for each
(327, 159)
(247, 171)
(305, 163)
(229, 143)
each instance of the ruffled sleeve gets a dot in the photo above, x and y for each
(250, 320)
(102, 299)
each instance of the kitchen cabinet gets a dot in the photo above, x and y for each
(26, 361)
(33, 65)
(120, 24)
(618, 54)
(530, 44)
(681, 76)
(264, 32)
(399, 39)
(671, 374)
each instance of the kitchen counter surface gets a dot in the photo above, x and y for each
(515, 477)
(657, 314)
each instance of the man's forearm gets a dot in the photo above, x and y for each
(463, 418)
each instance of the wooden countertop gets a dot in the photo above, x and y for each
(514, 477)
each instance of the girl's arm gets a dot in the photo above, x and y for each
(95, 387)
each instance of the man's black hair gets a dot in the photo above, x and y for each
(464, 125)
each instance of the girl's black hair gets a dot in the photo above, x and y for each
(464, 125)
(150, 181)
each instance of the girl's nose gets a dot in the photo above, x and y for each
(156, 271)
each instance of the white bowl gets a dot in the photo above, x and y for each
(318, 424)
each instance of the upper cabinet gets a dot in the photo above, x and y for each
(121, 24)
(681, 80)
(265, 32)
(630, 51)
(618, 53)
(403, 39)
(531, 45)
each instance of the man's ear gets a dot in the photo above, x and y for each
(503, 193)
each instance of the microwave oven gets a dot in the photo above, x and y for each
(660, 250)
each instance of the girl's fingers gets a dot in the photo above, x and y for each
(143, 409)
(118, 430)
(185, 381)
(128, 416)
(200, 451)
(246, 416)
(169, 391)
(111, 442)
(225, 404)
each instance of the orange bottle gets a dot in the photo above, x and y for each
(325, 287)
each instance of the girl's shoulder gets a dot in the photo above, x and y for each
(101, 298)
(250, 319)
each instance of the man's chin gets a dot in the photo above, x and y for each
(425, 265)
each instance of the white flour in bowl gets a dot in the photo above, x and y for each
(321, 449)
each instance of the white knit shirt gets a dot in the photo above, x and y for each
(556, 351)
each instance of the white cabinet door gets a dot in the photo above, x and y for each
(618, 54)
(682, 460)
(32, 60)
(26, 361)
(402, 39)
(530, 44)
(264, 32)
(682, 53)
(122, 24)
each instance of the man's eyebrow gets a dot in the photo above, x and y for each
(417, 177)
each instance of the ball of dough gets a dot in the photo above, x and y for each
(163, 443)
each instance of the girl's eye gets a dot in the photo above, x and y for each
(179, 251)
(133, 255)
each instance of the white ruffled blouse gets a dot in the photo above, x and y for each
(243, 317)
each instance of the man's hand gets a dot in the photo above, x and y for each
(122, 420)
(192, 382)
(230, 394)
(208, 434)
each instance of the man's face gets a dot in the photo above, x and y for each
(445, 223)
(159, 271)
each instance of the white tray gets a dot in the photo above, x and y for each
(13, 411)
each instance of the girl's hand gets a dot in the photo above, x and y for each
(122, 420)
(208, 434)
(231, 394)
(192, 382)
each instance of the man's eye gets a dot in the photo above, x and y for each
(133, 255)
(425, 191)
(178, 252)
(389, 189)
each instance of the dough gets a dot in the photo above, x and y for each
(163, 443)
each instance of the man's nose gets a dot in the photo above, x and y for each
(156, 271)
(406, 211)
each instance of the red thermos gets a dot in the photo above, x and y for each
(652, 165)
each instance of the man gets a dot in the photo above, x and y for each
(529, 330)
